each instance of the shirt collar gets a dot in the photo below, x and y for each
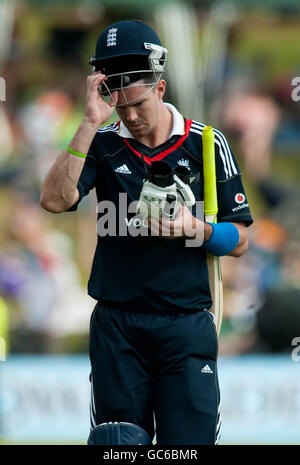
(177, 130)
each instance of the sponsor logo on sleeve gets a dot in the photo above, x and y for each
(240, 199)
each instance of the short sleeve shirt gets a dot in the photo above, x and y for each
(132, 269)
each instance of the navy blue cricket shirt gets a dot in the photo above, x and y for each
(146, 272)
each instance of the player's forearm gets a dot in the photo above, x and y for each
(242, 245)
(59, 188)
(234, 233)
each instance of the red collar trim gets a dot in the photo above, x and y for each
(161, 155)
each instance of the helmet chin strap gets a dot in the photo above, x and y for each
(142, 84)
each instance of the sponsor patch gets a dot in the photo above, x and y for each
(240, 207)
(239, 198)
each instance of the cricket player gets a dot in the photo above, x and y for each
(153, 341)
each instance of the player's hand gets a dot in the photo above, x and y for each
(184, 225)
(97, 111)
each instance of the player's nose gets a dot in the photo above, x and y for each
(130, 114)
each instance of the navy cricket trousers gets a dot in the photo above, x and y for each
(163, 364)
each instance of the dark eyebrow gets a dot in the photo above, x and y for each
(138, 103)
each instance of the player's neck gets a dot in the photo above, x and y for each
(162, 130)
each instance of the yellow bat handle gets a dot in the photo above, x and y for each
(209, 172)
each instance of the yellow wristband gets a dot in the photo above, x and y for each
(74, 152)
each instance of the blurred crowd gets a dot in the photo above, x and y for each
(45, 259)
(262, 288)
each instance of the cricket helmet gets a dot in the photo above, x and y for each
(125, 52)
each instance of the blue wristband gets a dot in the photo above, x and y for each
(224, 238)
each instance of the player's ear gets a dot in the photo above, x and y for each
(161, 89)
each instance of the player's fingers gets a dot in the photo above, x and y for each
(176, 227)
(95, 79)
(113, 99)
(182, 222)
(167, 228)
(154, 226)
(96, 74)
(170, 229)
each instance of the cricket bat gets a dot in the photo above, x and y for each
(210, 215)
